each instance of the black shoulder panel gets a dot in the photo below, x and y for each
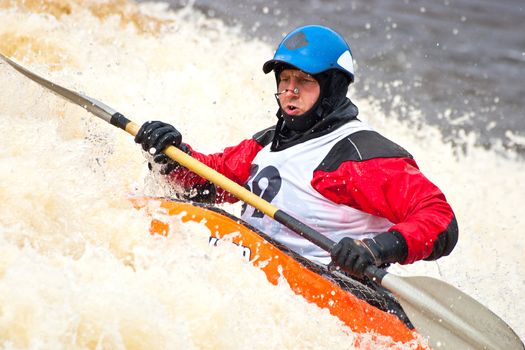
(360, 146)
(265, 137)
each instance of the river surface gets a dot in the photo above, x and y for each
(78, 269)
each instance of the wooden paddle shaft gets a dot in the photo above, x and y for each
(237, 190)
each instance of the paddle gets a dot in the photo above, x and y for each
(448, 317)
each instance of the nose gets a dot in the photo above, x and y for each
(292, 86)
(295, 91)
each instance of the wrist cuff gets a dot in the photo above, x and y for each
(388, 247)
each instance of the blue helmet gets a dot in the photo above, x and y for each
(313, 49)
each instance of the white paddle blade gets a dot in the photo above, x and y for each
(450, 318)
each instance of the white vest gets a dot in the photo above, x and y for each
(283, 178)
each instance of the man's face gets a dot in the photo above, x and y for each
(296, 104)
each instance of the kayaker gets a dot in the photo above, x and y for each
(324, 166)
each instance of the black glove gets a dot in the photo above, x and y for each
(354, 256)
(154, 137)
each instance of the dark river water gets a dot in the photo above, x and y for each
(461, 63)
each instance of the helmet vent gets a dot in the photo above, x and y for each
(296, 41)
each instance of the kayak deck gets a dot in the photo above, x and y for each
(306, 279)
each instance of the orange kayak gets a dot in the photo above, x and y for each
(305, 279)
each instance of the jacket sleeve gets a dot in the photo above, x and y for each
(394, 188)
(234, 163)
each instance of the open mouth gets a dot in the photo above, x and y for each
(292, 110)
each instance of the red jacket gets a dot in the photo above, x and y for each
(388, 186)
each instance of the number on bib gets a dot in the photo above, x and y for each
(266, 185)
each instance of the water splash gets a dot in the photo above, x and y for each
(77, 267)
